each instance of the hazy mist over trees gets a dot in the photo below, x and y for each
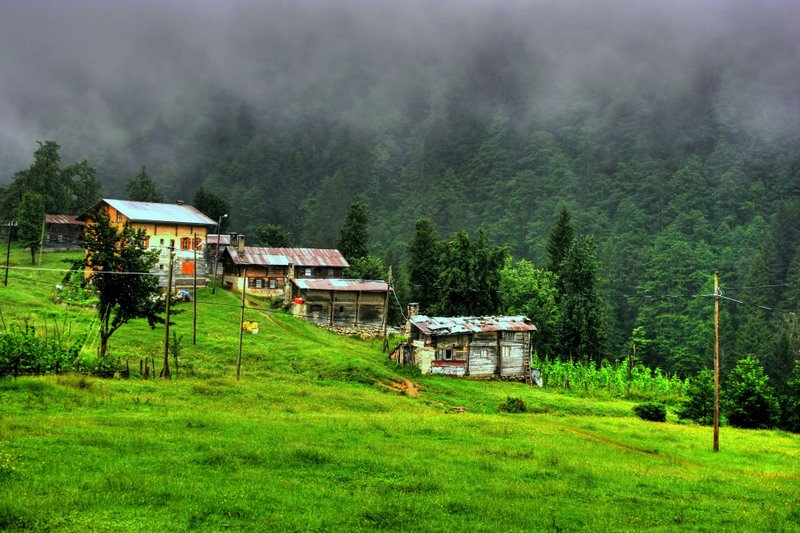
(671, 131)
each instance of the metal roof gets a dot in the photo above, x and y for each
(255, 255)
(319, 257)
(213, 238)
(342, 285)
(160, 213)
(470, 324)
(62, 219)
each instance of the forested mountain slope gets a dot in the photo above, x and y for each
(671, 131)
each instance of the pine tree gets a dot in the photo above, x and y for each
(561, 238)
(212, 206)
(142, 189)
(699, 403)
(580, 328)
(424, 263)
(354, 233)
(274, 235)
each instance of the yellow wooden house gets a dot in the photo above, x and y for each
(177, 228)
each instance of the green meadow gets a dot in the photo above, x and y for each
(323, 433)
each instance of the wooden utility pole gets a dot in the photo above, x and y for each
(194, 291)
(386, 311)
(216, 256)
(716, 361)
(241, 326)
(165, 370)
(8, 254)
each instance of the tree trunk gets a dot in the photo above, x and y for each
(101, 350)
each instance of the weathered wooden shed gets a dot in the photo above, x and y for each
(63, 232)
(481, 347)
(353, 303)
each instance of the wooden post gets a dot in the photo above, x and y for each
(241, 327)
(716, 361)
(358, 308)
(8, 254)
(165, 370)
(194, 295)
(333, 308)
(216, 255)
(386, 311)
(41, 242)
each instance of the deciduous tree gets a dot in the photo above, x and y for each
(749, 399)
(30, 222)
(118, 266)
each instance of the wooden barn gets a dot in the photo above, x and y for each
(478, 347)
(356, 303)
(63, 232)
(268, 271)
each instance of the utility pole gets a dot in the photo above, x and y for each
(165, 370)
(8, 253)
(194, 291)
(41, 241)
(386, 311)
(241, 326)
(216, 255)
(716, 361)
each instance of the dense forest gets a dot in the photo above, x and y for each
(670, 133)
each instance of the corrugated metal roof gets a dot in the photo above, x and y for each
(343, 285)
(470, 324)
(319, 257)
(62, 219)
(255, 255)
(161, 213)
(213, 238)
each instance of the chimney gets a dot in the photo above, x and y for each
(413, 309)
(240, 244)
(180, 202)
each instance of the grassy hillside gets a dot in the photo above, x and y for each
(322, 433)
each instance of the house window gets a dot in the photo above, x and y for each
(172, 243)
(330, 272)
(259, 283)
(185, 243)
(197, 243)
(147, 242)
(308, 272)
(161, 242)
(119, 217)
(448, 355)
(273, 284)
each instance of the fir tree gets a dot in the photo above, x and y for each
(354, 233)
(424, 264)
(142, 189)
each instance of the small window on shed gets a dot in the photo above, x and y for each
(273, 284)
(308, 272)
(448, 355)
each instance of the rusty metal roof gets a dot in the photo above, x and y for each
(342, 285)
(213, 238)
(255, 255)
(157, 213)
(470, 324)
(319, 257)
(62, 219)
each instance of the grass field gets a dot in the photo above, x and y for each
(319, 434)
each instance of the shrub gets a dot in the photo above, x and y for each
(749, 400)
(513, 405)
(699, 403)
(791, 403)
(652, 411)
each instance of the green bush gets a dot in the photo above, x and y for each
(652, 411)
(699, 403)
(749, 401)
(23, 351)
(513, 405)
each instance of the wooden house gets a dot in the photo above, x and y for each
(347, 303)
(479, 347)
(63, 232)
(177, 228)
(212, 253)
(268, 271)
